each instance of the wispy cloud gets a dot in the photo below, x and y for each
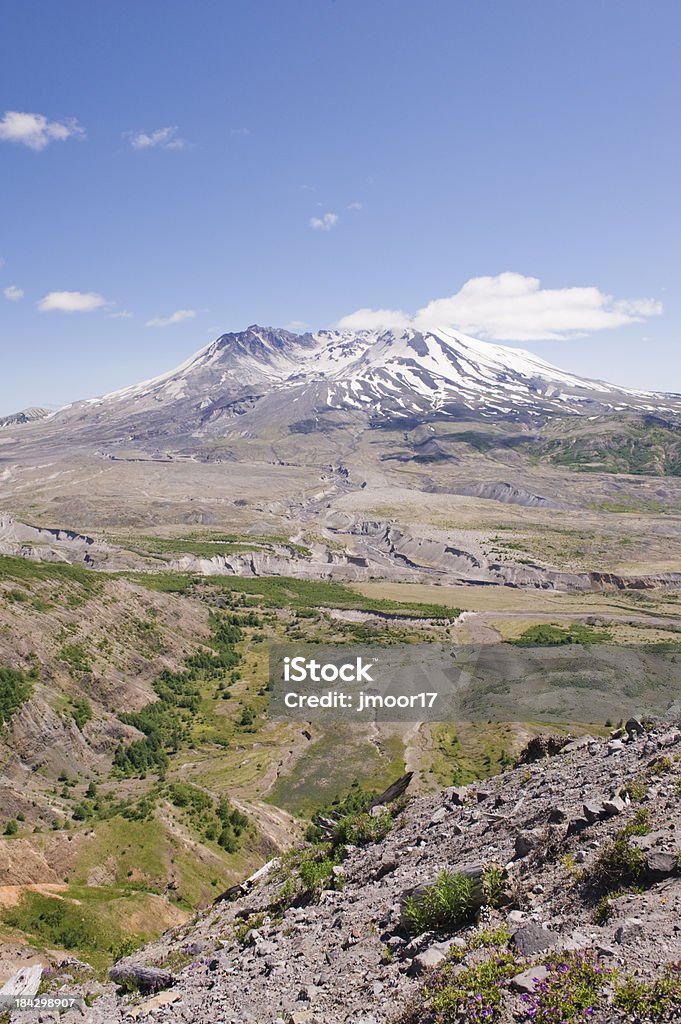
(13, 293)
(296, 325)
(512, 307)
(355, 206)
(120, 314)
(2, 262)
(325, 222)
(240, 131)
(175, 318)
(160, 138)
(71, 302)
(35, 131)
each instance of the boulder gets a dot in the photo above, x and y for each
(430, 957)
(525, 842)
(529, 979)
(533, 938)
(634, 727)
(615, 805)
(593, 810)
(659, 865)
(629, 931)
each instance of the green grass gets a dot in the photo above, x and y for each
(287, 592)
(329, 767)
(85, 920)
(178, 546)
(546, 635)
(76, 583)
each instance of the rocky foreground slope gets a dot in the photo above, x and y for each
(573, 854)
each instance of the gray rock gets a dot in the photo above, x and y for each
(615, 805)
(557, 815)
(593, 810)
(634, 727)
(439, 815)
(529, 979)
(576, 941)
(659, 865)
(532, 938)
(576, 826)
(577, 744)
(430, 957)
(630, 930)
(457, 795)
(525, 842)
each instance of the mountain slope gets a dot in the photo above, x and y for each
(266, 377)
(583, 850)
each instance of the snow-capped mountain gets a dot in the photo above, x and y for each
(264, 377)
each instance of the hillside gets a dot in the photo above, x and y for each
(574, 861)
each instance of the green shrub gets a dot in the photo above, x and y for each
(443, 906)
(476, 994)
(76, 658)
(494, 885)
(654, 1000)
(618, 865)
(15, 688)
(361, 829)
(81, 711)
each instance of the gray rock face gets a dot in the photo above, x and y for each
(430, 957)
(615, 805)
(532, 938)
(593, 810)
(526, 842)
(527, 981)
(659, 865)
(631, 930)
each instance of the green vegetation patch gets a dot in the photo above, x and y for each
(86, 920)
(15, 689)
(287, 592)
(552, 635)
(73, 583)
(167, 722)
(220, 823)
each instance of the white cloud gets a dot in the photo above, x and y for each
(35, 131)
(71, 302)
(2, 262)
(512, 307)
(355, 206)
(120, 314)
(296, 325)
(174, 318)
(13, 293)
(324, 223)
(374, 319)
(160, 138)
(240, 131)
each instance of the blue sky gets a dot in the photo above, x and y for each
(294, 161)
